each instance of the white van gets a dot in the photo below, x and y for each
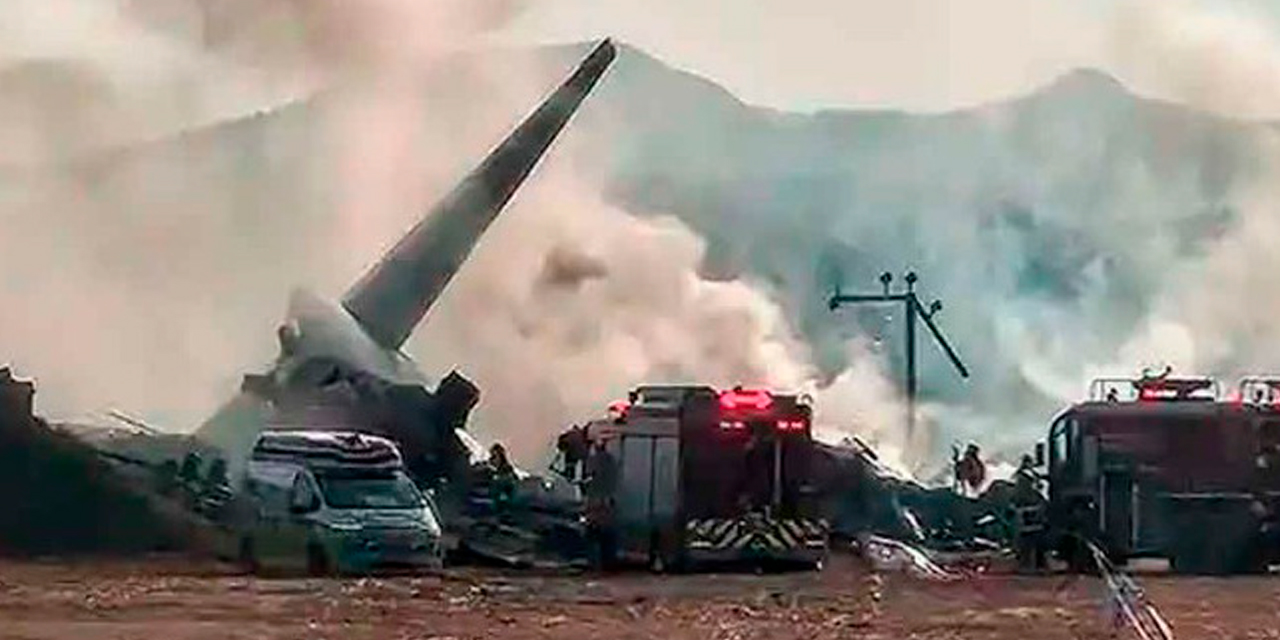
(333, 502)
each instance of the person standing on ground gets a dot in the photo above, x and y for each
(971, 473)
(601, 480)
(502, 479)
(1028, 507)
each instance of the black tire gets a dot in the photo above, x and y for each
(318, 564)
(1199, 562)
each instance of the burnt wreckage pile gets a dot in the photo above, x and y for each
(60, 496)
(863, 496)
(427, 426)
(341, 367)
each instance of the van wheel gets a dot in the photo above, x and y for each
(247, 556)
(318, 561)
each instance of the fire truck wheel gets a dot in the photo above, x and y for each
(1190, 565)
(1197, 562)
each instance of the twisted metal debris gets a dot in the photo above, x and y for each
(1128, 602)
(887, 554)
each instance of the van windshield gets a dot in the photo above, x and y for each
(389, 491)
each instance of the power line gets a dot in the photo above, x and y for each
(913, 308)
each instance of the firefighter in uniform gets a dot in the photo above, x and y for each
(600, 482)
(1028, 507)
(970, 471)
(502, 480)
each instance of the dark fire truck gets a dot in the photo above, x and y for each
(710, 476)
(1165, 467)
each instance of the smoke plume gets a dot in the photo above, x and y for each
(1215, 314)
(573, 302)
(676, 236)
(149, 275)
(149, 249)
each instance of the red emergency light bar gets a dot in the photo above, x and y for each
(757, 399)
(1151, 388)
(618, 409)
(1157, 394)
(1175, 389)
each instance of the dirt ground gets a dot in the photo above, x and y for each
(172, 599)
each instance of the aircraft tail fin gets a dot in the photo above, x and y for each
(393, 296)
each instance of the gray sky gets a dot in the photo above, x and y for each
(914, 54)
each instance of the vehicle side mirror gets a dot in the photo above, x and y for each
(1039, 454)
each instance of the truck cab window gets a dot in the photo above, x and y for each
(1058, 445)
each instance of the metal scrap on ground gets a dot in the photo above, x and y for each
(1127, 602)
(887, 554)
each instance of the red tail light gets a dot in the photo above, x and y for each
(790, 425)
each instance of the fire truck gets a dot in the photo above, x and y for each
(1167, 467)
(712, 476)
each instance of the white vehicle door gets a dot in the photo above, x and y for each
(271, 491)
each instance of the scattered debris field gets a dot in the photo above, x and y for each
(171, 598)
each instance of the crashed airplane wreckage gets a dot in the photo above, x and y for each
(340, 366)
(64, 497)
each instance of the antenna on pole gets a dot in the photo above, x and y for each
(914, 309)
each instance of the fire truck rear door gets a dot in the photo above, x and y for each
(1118, 493)
(647, 490)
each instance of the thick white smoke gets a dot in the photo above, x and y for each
(572, 302)
(1211, 313)
(1218, 312)
(1214, 56)
(147, 253)
(151, 278)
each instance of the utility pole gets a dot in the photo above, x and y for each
(914, 310)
